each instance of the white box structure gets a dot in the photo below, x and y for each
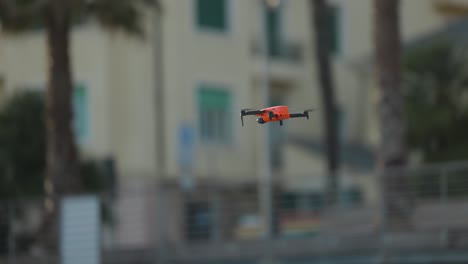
(80, 230)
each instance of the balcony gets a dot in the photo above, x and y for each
(452, 8)
(289, 52)
(285, 60)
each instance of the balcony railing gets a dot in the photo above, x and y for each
(288, 51)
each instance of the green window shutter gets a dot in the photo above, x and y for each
(211, 14)
(213, 98)
(80, 105)
(273, 21)
(214, 105)
(333, 29)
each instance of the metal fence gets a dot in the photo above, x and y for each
(216, 222)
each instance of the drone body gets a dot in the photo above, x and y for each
(273, 114)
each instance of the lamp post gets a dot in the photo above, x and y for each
(10, 206)
(161, 225)
(266, 201)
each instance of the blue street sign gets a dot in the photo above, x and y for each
(186, 143)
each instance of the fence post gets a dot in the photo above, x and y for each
(382, 253)
(218, 216)
(11, 233)
(443, 185)
(161, 224)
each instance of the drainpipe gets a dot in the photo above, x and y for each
(265, 188)
(159, 115)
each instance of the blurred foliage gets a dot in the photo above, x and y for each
(22, 146)
(436, 100)
(21, 15)
(22, 151)
(436, 105)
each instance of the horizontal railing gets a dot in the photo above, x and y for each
(224, 222)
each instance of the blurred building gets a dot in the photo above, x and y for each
(167, 107)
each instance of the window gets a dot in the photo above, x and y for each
(333, 18)
(302, 202)
(80, 111)
(273, 27)
(351, 196)
(313, 201)
(342, 125)
(214, 109)
(80, 108)
(289, 201)
(211, 14)
(199, 221)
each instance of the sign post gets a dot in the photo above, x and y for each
(186, 149)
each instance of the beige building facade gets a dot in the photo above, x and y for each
(205, 63)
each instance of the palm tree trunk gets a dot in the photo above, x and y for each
(62, 167)
(62, 158)
(318, 10)
(392, 127)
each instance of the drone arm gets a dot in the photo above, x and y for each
(294, 115)
(247, 112)
(304, 114)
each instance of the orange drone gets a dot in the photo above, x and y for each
(273, 114)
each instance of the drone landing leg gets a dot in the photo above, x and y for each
(281, 122)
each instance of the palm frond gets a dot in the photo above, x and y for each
(21, 15)
(125, 15)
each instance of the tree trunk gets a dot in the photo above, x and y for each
(319, 11)
(396, 193)
(62, 166)
(62, 157)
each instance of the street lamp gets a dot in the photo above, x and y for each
(273, 3)
(265, 188)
